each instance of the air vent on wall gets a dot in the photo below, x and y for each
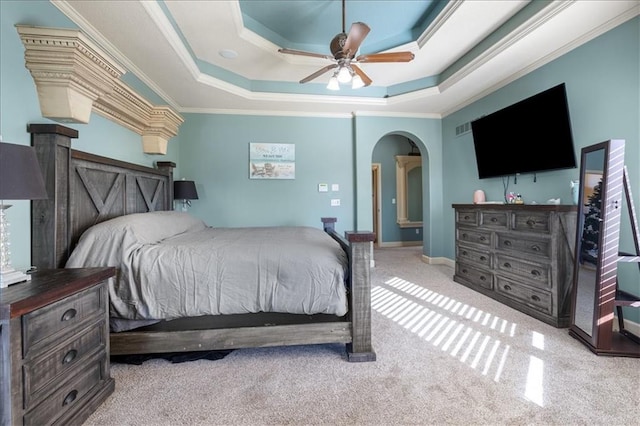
(463, 128)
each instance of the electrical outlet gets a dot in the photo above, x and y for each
(335, 202)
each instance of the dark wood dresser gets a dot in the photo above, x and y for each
(54, 347)
(520, 255)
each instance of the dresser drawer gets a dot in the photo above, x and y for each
(61, 317)
(538, 299)
(531, 222)
(469, 255)
(517, 244)
(475, 276)
(540, 273)
(498, 220)
(467, 217)
(45, 371)
(470, 235)
(69, 396)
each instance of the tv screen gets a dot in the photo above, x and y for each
(533, 135)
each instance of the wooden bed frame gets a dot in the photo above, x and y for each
(85, 189)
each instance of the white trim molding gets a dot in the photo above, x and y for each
(74, 77)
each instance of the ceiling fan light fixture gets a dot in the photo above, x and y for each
(333, 83)
(357, 82)
(344, 76)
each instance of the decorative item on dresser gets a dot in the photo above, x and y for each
(54, 336)
(520, 255)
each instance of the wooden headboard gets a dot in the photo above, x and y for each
(85, 189)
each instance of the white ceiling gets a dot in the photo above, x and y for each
(467, 50)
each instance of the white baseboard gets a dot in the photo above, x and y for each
(438, 261)
(389, 244)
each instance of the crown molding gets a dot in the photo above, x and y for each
(74, 77)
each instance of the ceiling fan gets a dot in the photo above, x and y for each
(344, 48)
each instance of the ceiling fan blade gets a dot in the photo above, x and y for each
(318, 73)
(365, 78)
(357, 33)
(386, 57)
(303, 53)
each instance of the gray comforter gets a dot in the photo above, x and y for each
(172, 265)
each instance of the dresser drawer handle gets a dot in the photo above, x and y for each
(535, 298)
(467, 217)
(494, 220)
(465, 236)
(536, 273)
(507, 287)
(464, 271)
(483, 258)
(69, 315)
(531, 222)
(71, 396)
(507, 243)
(483, 278)
(464, 253)
(482, 238)
(70, 356)
(507, 265)
(535, 247)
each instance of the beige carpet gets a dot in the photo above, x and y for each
(446, 355)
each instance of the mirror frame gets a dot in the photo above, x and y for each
(404, 164)
(606, 265)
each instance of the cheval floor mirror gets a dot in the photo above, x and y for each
(602, 284)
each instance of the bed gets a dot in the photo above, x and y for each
(92, 196)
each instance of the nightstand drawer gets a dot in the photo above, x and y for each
(516, 244)
(61, 317)
(532, 271)
(69, 396)
(537, 299)
(43, 372)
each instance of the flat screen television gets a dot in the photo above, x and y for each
(533, 135)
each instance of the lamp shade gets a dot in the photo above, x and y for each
(20, 176)
(184, 190)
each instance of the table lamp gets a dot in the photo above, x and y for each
(184, 191)
(20, 179)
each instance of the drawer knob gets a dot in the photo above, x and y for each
(535, 247)
(464, 252)
(531, 222)
(70, 356)
(71, 396)
(69, 315)
(483, 258)
(507, 287)
(507, 265)
(535, 298)
(482, 238)
(536, 273)
(507, 243)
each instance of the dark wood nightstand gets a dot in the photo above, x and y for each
(54, 347)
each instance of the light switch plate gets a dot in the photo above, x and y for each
(323, 187)
(335, 187)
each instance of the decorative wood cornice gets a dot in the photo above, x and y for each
(74, 77)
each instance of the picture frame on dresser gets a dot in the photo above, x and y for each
(600, 287)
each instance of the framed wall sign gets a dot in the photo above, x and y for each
(272, 161)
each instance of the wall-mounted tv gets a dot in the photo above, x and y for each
(533, 135)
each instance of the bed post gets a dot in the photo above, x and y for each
(360, 349)
(50, 218)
